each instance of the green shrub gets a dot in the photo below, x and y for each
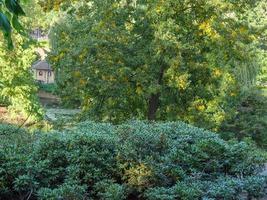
(15, 148)
(253, 185)
(136, 160)
(50, 87)
(181, 190)
(108, 190)
(70, 190)
(222, 188)
(14, 135)
(250, 120)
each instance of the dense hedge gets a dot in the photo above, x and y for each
(136, 160)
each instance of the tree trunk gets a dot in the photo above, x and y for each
(153, 102)
(153, 105)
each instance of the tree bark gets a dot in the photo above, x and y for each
(154, 102)
(153, 105)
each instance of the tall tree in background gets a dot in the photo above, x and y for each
(155, 59)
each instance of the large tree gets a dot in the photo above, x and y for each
(150, 59)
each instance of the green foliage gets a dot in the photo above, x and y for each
(14, 135)
(133, 160)
(37, 18)
(108, 190)
(163, 60)
(56, 5)
(17, 86)
(3, 101)
(16, 81)
(250, 120)
(14, 156)
(50, 88)
(180, 190)
(67, 191)
(10, 10)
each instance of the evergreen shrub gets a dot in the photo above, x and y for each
(135, 160)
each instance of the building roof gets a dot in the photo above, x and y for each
(42, 65)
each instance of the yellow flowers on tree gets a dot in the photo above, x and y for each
(155, 60)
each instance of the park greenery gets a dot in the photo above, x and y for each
(135, 160)
(172, 93)
(157, 60)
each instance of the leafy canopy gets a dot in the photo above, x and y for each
(148, 59)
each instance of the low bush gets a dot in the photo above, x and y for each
(135, 160)
(50, 87)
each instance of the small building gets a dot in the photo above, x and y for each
(43, 72)
(39, 35)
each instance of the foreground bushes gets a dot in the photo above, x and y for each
(136, 160)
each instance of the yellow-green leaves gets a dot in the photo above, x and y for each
(9, 12)
(177, 59)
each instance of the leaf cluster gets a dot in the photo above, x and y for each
(10, 10)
